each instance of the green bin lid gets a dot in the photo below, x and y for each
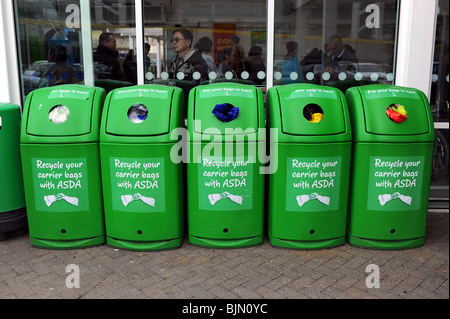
(308, 113)
(299, 104)
(203, 100)
(370, 105)
(139, 111)
(60, 111)
(142, 114)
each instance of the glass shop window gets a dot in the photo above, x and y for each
(440, 77)
(440, 109)
(114, 43)
(337, 43)
(228, 39)
(194, 42)
(51, 46)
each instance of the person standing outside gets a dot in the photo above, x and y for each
(204, 46)
(292, 71)
(340, 56)
(237, 56)
(107, 55)
(187, 60)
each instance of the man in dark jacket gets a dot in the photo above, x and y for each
(106, 59)
(339, 56)
(187, 60)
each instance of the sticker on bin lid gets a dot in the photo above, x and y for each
(227, 91)
(391, 92)
(137, 113)
(158, 93)
(318, 93)
(397, 113)
(77, 94)
(58, 114)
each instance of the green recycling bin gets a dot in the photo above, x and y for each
(142, 186)
(308, 192)
(225, 183)
(61, 166)
(393, 136)
(13, 215)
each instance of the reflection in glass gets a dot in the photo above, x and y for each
(50, 45)
(51, 48)
(233, 50)
(440, 109)
(334, 48)
(439, 79)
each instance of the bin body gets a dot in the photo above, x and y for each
(224, 182)
(13, 218)
(308, 192)
(391, 167)
(142, 186)
(61, 166)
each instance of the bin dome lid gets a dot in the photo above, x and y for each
(389, 111)
(139, 111)
(61, 111)
(311, 110)
(241, 111)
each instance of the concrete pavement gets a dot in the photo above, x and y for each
(260, 272)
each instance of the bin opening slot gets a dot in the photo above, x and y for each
(58, 114)
(313, 113)
(226, 112)
(137, 113)
(397, 113)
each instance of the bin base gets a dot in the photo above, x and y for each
(307, 245)
(225, 243)
(144, 245)
(13, 223)
(385, 244)
(66, 244)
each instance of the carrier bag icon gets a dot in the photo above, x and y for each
(214, 198)
(50, 199)
(385, 198)
(303, 199)
(126, 199)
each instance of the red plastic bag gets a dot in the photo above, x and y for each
(395, 116)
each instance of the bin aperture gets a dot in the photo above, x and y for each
(58, 114)
(137, 113)
(225, 112)
(313, 113)
(397, 113)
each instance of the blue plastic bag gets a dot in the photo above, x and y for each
(225, 112)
